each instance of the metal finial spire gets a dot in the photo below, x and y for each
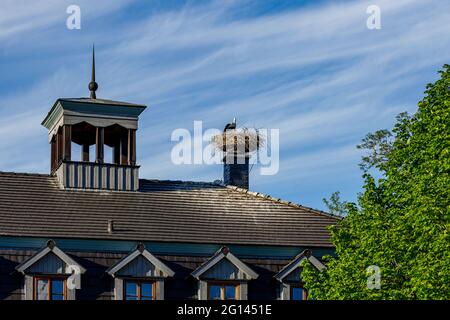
(93, 86)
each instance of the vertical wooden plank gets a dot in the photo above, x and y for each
(136, 179)
(71, 294)
(118, 289)
(104, 177)
(88, 183)
(28, 290)
(85, 153)
(159, 290)
(95, 177)
(128, 179)
(243, 290)
(59, 143)
(99, 145)
(202, 290)
(66, 168)
(112, 176)
(53, 155)
(120, 178)
(71, 171)
(285, 291)
(67, 138)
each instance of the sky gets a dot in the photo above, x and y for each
(311, 69)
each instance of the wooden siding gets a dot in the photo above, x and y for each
(224, 270)
(88, 175)
(140, 267)
(50, 264)
(294, 276)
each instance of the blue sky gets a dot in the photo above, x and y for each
(309, 68)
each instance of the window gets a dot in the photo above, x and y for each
(298, 293)
(49, 288)
(223, 291)
(139, 290)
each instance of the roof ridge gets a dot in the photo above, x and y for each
(281, 201)
(182, 182)
(26, 174)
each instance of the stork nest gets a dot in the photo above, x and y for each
(244, 141)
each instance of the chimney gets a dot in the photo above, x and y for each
(237, 172)
(236, 162)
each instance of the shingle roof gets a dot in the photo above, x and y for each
(176, 211)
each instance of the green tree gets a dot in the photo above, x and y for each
(335, 205)
(379, 144)
(402, 221)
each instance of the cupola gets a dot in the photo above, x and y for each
(92, 124)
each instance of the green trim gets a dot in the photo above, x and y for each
(163, 248)
(53, 115)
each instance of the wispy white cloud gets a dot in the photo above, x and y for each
(19, 18)
(316, 73)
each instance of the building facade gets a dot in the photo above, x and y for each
(91, 230)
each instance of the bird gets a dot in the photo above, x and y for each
(230, 126)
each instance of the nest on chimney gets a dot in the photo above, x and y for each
(241, 141)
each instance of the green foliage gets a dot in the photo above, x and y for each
(378, 144)
(402, 223)
(335, 205)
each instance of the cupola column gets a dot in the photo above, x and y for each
(54, 154)
(131, 147)
(59, 146)
(99, 144)
(67, 141)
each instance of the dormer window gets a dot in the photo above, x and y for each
(51, 274)
(139, 276)
(223, 277)
(289, 277)
(50, 288)
(139, 290)
(223, 291)
(298, 293)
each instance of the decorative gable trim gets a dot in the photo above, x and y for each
(295, 263)
(140, 251)
(224, 253)
(50, 248)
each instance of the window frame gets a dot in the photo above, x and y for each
(139, 283)
(297, 286)
(50, 279)
(222, 285)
